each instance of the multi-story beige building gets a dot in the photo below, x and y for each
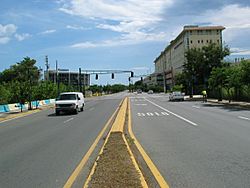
(172, 58)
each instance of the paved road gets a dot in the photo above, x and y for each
(42, 150)
(194, 144)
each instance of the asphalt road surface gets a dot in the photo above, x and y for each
(42, 150)
(194, 144)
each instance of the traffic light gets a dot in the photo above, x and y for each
(112, 76)
(96, 76)
(142, 79)
(132, 74)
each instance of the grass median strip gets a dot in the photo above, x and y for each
(115, 165)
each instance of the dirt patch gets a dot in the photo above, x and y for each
(115, 167)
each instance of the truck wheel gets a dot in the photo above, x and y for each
(76, 110)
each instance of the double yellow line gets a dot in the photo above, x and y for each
(118, 126)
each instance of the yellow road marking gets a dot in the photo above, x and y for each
(142, 179)
(118, 127)
(95, 164)
(159, 178)
(19, 115)
(120, 119)
(80, 166)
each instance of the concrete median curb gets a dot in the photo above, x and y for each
(123, 171)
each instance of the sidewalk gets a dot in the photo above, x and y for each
(223, 102)
(4, 116)
(232, 103)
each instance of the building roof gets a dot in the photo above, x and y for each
(190, 28)
(195, 28)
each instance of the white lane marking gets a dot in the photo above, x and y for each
(156, 113)
(68, 120)
(242, 117)
(140, 114)
(176, 115)
(141, 104)
(150, 114)
(165, 113)
(196, 107)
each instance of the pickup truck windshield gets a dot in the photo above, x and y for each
(67, 97)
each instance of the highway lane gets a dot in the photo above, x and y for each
(215, 152)
(42, 150)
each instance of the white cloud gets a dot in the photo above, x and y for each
(4, 40)
(48, 32)
(231, 16)
(234, 17)
(240, 51)
(126, 39)
(7, 30)
(21, 37)
(134, 19)
(75, 27)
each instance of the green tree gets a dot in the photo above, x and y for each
(24, 75)
(4, 94)
(245, 70)
(218, 80)
(200, 62)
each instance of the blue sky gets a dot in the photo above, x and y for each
(111, 34)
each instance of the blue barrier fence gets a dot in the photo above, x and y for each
(9, 107)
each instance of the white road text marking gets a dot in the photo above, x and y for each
(242, 117)
(140, 114)
(68, 120)
(176, 115)
(141, 104)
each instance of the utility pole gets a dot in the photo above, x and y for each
(57, 79)
(47, 68)
(80, 80)
(29, 108)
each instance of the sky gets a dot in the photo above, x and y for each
(111, 34)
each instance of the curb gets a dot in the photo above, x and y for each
(230, 104)
(118, 127)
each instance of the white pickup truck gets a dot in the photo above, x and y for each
(176, 96)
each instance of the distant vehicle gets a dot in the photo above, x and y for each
(69, 102)
(176, 96)
(139, 91)
(150, 92)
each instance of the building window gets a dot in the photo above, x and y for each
(190, 32)
(211, 41)
(191, 41)
(207, 41)
(218, 41)
(201, 41)
(198, 41)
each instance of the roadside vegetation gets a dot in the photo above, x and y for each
(205, 69)
(23, 82)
